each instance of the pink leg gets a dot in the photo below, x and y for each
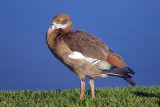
(91, 83)
(82, 89)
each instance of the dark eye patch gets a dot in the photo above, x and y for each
(58, 20)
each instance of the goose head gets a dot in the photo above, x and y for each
(61, 24)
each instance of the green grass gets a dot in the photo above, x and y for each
(118, 97)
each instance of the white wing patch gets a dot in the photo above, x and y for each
(61, 25)
(77, 55)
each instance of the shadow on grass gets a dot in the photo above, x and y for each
(143, 94)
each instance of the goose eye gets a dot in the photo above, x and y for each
(58, 20)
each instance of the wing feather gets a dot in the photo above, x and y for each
(86, 44)
(116, 60)
(92, 47)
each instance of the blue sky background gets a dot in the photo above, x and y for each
(130, 28)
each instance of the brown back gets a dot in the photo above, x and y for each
(87, 44)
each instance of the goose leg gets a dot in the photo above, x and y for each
(91, 83)
(82, 89)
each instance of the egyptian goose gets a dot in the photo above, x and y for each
(84, 54)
